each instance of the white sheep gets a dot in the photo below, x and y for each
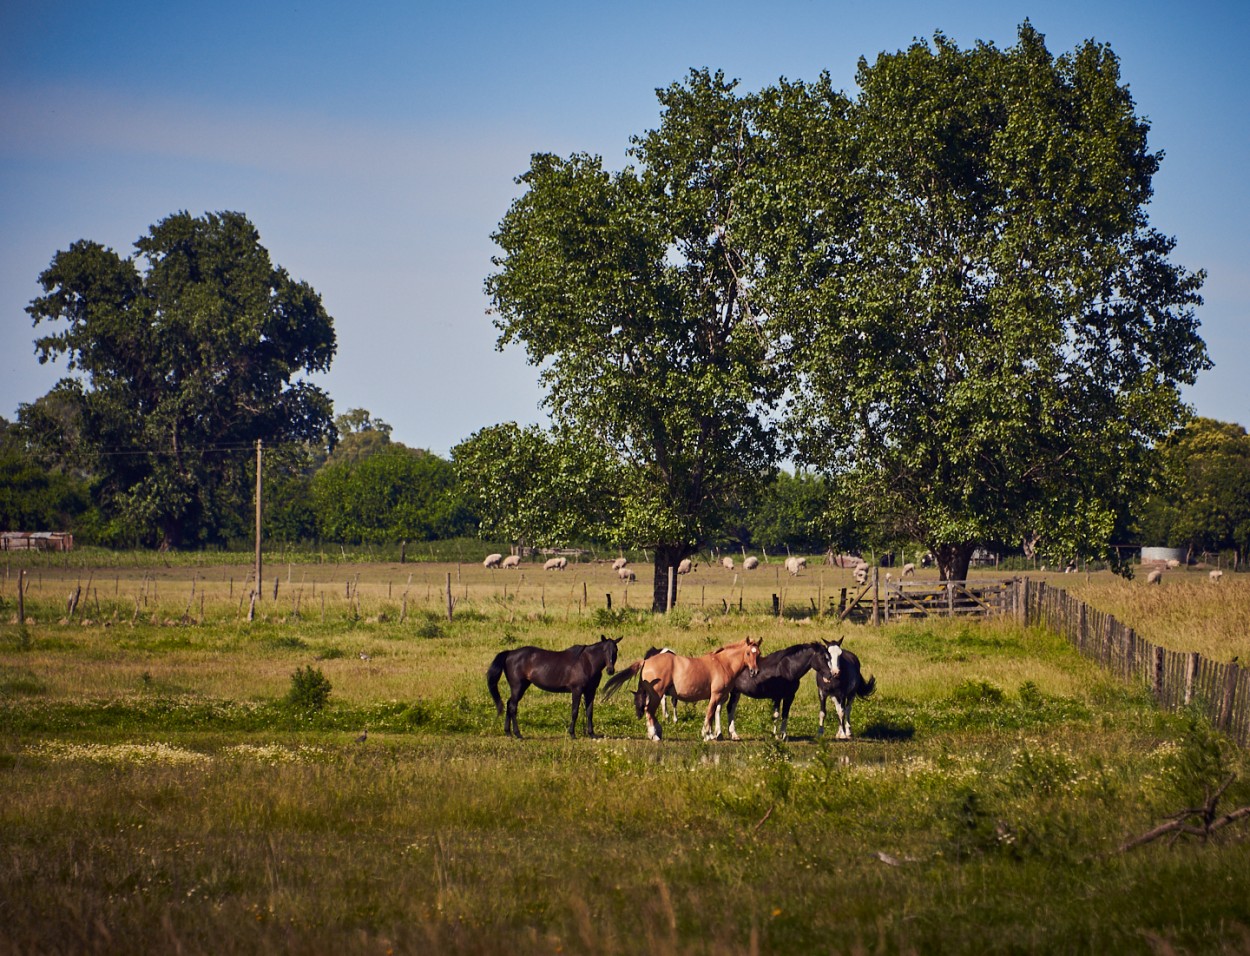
(1173, 563)
(626, 574)
(909, 570)
(727, 563)
(511, 561)
(556, 564)
(861, 574)
(619, 563)
(685, 566)
(1155, 576)
(492, 560)
(751, 563)
(795, 565)
(1215, 576)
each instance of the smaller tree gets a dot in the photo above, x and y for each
(1204, 505)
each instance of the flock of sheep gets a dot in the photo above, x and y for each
(1156, 575)
(621, 565)
(794, 565)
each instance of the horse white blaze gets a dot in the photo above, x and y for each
(834, 653)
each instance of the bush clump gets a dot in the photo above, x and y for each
(310, 689)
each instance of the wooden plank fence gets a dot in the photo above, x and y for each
(898, 600)
(1176, 679)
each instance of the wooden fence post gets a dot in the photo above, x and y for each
(1230, 689)
(1191, 672)
(1158, 674)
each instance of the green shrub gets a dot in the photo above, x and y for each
(310, 689)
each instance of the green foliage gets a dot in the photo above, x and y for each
(1204, 503)
(395, 493)
(310, 689)
(632, 292)
(182, 367)
(542, 488)
(989, 334)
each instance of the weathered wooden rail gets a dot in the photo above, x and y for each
(1176, 679)
(892, 601)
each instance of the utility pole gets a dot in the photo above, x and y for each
(258, 511)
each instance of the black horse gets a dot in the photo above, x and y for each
(578, 669)
(844, 683)
(778, 681)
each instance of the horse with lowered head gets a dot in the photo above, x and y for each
(691, 678)
(844, 685)
(778, 680)
(577, 669)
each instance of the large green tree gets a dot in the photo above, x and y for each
(988, 333)
(632, 291)
(182, 356)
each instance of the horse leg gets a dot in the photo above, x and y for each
(510, 725)
(590, 714)
(732, 710)
(785, 714)
(777, 717)
(713, 712)
(844, 723)
(577, 700)
(653, 728)
(820, 724)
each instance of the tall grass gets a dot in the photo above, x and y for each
(162, 794)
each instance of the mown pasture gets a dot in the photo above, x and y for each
(162, 793)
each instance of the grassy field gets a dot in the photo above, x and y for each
(162, 793)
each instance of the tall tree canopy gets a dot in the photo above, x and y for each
(184, 355)
(987, 333)
(632, 292)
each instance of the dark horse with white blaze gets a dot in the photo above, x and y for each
(578, 670)
(778, 680)
(846, 683)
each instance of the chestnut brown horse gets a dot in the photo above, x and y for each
(709, 678)
(578, 669)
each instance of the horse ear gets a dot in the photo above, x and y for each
(838, 642)
(617, 640)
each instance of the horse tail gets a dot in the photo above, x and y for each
(493, 673)
(867, 689)
(619, 678)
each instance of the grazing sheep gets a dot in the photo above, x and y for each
(685, 567)
(909, 569)
(727, 563)
(1215, 576)
(626, 574)
(861, 574)
(1155, 576)
(556, 564)
(751, 563)
(795, 565)
(1173, 564)
(511, 561)
(619, 563)
(492, 560)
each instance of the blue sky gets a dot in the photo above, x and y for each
(374, 146)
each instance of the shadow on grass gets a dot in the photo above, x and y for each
(887, 731)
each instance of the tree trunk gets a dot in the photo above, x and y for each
(666, 556)
(953, 560)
